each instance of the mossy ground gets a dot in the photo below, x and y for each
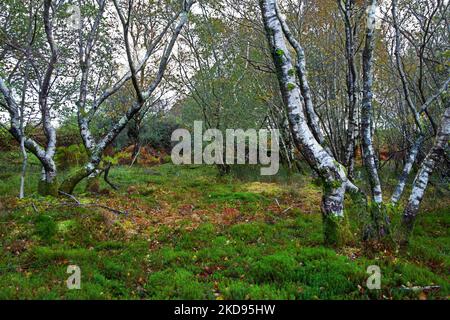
(190, 234)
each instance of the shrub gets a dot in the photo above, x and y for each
(7, 142)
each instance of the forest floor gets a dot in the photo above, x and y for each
(186, 233)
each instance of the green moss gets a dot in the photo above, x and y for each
(235, 196)
(93, 185)
(48, 188)
(279, 52)
(69, 184)
(291, 86)
(177, 284)
(279, 267)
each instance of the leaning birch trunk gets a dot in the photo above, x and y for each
(378, 224)
(48, 183)
(23, 150)
(414, 151)
(300, 67)
(426, 169)
(332, 173)
(410, 160)
(47, 161)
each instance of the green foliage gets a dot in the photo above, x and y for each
(291, 86)
(71, 156)
(68, 132)
(117, 157)
(279, 52)
(46, 227)
(7, 142)
(157, 132)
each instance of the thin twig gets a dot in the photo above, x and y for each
(70, 196)
(286, 210)
(78, 203)
(424, 289)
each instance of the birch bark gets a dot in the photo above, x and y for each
(349, 157)
(96, 148)
(48, 182)
(414, 150)
(366, 112)
(426, 169)
(332, 173)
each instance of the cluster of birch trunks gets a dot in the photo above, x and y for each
(306, 131)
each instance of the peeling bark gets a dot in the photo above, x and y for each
(44, 155)
(411, 159)
(366, 112)
(300, 66)
(349, 157)
(378, 225)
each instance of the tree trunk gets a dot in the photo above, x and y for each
(69, 184)
(96, 149)
(350, 148)
(333, 213)
(426, 169)
(378, 225)
(366, 112)
(24, 168)
(300, 66)
(331, 172)
(412, 156)
(48, 184)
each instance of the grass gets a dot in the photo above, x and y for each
(190, 234)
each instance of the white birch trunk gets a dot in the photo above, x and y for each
(426, 169)
(412, 156)
(332, 173)
(366, 112)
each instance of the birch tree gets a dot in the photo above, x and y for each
(166, 39)
(332, 173)
(366, 109)
(346, 8)
(420, 183)
(416, 112)
(44, 75)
